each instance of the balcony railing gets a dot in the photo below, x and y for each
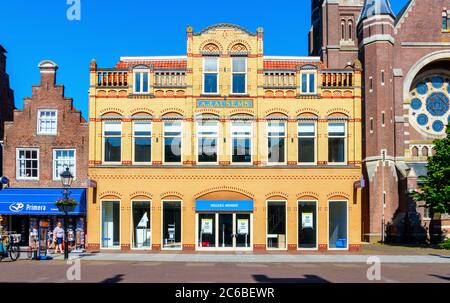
(279, 80)
(170, 79)
(112, 78)
(337, 78)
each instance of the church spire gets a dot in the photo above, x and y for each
(376, 7)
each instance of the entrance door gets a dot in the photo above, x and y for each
(226, 233)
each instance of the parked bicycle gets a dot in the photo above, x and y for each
(11, 247)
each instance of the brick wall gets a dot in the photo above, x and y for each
(72, 132)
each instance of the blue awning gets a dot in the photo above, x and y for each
(38, 201)
(224, 205)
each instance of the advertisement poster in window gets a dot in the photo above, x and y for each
(242, 226)
(207, 226)
(307, 220)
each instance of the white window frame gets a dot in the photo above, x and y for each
(309, 137)
(316, 202)
(285, 142)
(151, 142)
(383, 77)
(56, 177)
(308, 79)
(328, 224)
(141, 71)
(39, 131)
(164, 142)
(283, 202)
(115, 136)
(117, 247)
(151, 224)
(198, 136)
(162, 225)
(18, 177)
(241, 137)
(216, 73)
(345, 141)
(239, 73)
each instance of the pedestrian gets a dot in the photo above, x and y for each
(58, 238)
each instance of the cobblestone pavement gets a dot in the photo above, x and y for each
(191, 272)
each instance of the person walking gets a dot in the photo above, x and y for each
(58, 238)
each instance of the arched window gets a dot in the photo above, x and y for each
(415, 151)
(342, 30)
(350, 30)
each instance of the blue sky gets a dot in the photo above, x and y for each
(35, 30)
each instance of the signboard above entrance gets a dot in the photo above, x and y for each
(225, 103)
(224, 205)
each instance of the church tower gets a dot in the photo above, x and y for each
(333, 34)
(376, 36)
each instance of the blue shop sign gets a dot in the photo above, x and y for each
(225, 103)
(38, 201)
(224, 205)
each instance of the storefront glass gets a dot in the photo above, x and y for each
(243, 232)
(307, 225)
(141, 232)
(207, 230)
(337, 217)
(172, 225)
(226, 230)
(276, 224)
(110, 224)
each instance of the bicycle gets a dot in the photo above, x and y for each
(12, 250)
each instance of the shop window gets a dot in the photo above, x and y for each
(207, 230)
(142, 141)
(308, 82)
(276, 136)
(110, 224)
(276, 225)
(27, 164)
(141, 232)
(172, 225)
(243, 231)
(210, 75)
(63, 159)
(337, 223)
(141, 81)
(207, 140)
(336, 142)
(172, 142)
(241, 141)
(112, 135)
(47, 122)
(239, 75)
(306, 142)
(307, 225)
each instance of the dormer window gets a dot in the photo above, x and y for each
(308, 82)
(141, 77)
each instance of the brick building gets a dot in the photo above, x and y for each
(47, 136)
(6, 97)
(225, 148)
(406, 91)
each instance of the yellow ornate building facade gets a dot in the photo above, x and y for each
(224, 149)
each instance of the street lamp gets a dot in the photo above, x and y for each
(66, 181)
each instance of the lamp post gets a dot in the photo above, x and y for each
(66, 180)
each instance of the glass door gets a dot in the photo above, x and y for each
(243, 232)
(225, 230)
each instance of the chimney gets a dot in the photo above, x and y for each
(48, 73)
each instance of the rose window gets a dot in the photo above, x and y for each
(429, 106)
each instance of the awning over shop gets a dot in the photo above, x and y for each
(38, 201)
(224, 205)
